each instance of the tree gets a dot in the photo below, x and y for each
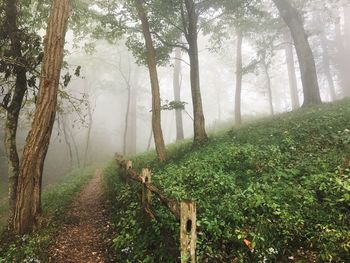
(177, 94)
(326, 65)
(19, 56)
(152, 67)
(168, 21)
(239, 75)
(90, 113)
(306, 60)
(292, 77)
(342, 36)
(28, 201)
(63, 123)
(190, 13)
(265, 66)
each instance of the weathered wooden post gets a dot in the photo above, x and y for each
(146, 194)
(128, 165)
(188, 233)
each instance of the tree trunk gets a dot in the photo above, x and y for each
(88, 136)
(76, 150)
(239, 76)
(149, 140)
(125, 135)
(293, 85)
(346, 55)
(13, 110)
(306, 59)
(66, 139)
(152, 67)
(177, 95)
(327, 67)
(343, 52)
(268, 85)
(346, 12)
(28, 202)
(192, 39)
(218, 99)
(131, 149)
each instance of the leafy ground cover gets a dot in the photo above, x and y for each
(34, 248)
(280, 185)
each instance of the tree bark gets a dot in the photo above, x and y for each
(13, 110)
(327, 66)
(152, 67)
(191, 35)
(177, 95)
(306, 59)
(28, 202)
(239, 76)
(293, 85)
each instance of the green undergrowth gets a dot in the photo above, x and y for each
(34, 247)
(281, 183)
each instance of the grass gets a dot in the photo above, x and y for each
(33, 248)
(282, 183)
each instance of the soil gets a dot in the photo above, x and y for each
(80, 237)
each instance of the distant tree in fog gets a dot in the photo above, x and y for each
(294, 21)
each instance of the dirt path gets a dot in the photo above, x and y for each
(79, 239)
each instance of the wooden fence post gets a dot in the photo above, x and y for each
(188, 233)
(128, 165)
(146, 194)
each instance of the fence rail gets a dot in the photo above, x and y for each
(184, 211)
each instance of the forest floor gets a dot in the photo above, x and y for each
(80, 237)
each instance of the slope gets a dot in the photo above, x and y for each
(282, 183)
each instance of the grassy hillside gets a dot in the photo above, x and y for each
(282, 183)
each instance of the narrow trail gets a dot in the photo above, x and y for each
(79, 239)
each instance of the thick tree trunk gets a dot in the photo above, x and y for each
(306, 59)
(177, 94)
(192, 39)
(239, 76)
(152, 67)
(327, 66)
(293, 85)
(28, 202)
(13, 110)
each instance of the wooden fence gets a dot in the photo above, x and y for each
(184, 211)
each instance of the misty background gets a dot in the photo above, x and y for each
(90, 126)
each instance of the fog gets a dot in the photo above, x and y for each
(98, 97)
